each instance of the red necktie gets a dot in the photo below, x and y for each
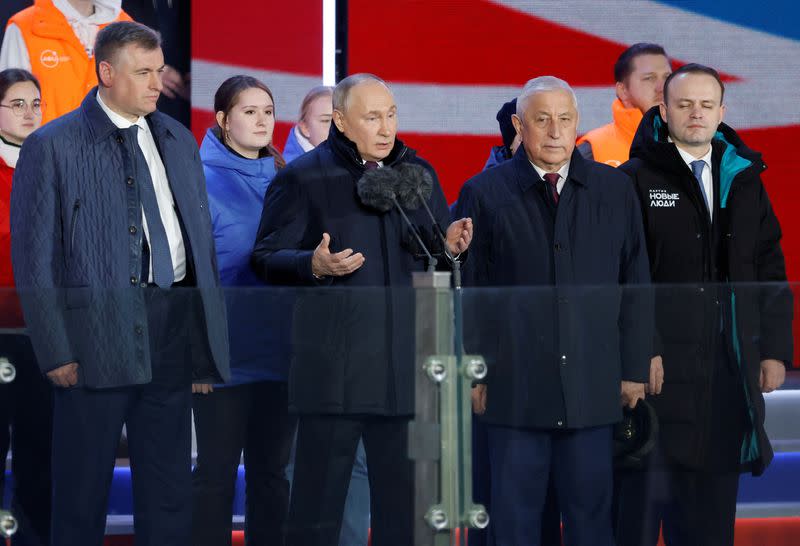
(369, 165)
(552, 181)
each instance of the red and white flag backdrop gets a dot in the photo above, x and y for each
(452, 64)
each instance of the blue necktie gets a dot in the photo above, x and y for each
(163, 274)
(697, 171)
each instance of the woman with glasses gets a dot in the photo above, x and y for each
(25, 403)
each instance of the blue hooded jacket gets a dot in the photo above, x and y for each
(497, 155)
(258, 327)
(292, 149)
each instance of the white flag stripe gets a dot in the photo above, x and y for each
(768, 65)
(686, 35)
(288, 89)
(470, 110)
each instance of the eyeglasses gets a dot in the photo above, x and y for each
(19, 107)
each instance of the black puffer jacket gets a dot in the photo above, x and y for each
(729, 272)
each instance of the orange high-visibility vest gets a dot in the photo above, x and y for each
(611, 144)
(58, 59)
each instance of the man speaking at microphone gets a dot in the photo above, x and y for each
(352, 367)
(567, 346)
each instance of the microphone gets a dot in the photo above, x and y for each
(377, 190)
(414, 188)
(7, 371)
(8, 524)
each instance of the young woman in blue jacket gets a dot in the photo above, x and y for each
(250, 414)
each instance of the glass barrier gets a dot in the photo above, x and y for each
(421, 415)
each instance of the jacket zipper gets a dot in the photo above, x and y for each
(75, 209)
(400, 157)
(388, 296)
(704, 229)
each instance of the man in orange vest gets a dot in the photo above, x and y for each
(640, 73)
(54, 39)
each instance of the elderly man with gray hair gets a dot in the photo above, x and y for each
(567, 341)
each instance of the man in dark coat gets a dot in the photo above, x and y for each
(352, 369)
(511, 142)
(723, 314)
(481, 475)
(109, 200)
(568, 334)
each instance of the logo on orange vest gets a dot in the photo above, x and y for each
(50, 58)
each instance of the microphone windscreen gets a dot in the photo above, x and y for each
(413, 177)
(376, 188)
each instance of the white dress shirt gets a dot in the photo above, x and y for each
(14, 52)
(708, 181)
(166, 204)
(9, 153)
(304, 143)
(563, 172)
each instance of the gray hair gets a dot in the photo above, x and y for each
(542, 84)
(342, 90)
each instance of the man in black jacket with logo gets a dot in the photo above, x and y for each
(723, 314)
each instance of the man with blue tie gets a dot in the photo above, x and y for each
(723, 327)
(109, 218)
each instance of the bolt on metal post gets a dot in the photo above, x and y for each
(8, 524)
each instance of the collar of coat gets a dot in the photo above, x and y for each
(527, 177)
(347, 150)
(651, 145)
(101, 127)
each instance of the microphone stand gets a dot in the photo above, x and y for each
(467, 370)
(458, 314)
(431, 260)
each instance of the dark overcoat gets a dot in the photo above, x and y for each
(561, 306)
(76, 230)
(723, 276)
(353, 340)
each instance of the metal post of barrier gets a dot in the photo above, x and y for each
(440, 437)
(433, 306)
(8, 524)
(473, 515)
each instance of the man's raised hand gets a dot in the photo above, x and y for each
(325, 264)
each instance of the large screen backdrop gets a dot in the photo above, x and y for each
(278, 42)
(452, 63)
